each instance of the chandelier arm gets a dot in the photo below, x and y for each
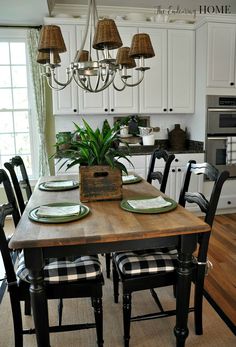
(118, 89)
(103, 78)
(106, 79)
(79, 81)
(95, 10)
(49, 82)
(107, 85)
(89, 88)
(99, 77)
(53, 75)
(133, 84)
(89, 85)
(76, 59)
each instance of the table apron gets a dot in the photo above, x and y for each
(186, 243)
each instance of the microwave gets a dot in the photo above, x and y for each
(221, 115)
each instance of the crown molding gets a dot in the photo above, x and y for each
(78, 10)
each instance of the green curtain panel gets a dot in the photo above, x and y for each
(40, 98)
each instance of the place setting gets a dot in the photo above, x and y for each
(148, 204)
(131, 178)
(61, 212)
(58, 185)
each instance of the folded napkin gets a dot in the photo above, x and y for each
(58, 211)
(128, 178)
(58, 184)
(157, 202)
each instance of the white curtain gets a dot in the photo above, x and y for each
(40, 98)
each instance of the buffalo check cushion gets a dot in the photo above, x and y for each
(146, 261)
(61, 270)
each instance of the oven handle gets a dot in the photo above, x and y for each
(222, 109)
(217, 138)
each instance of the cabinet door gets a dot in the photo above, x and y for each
(126, 100)
(110, 100)
(221, 55)
(66, 100)
(91, 103)
(153, 89)
(181, 67)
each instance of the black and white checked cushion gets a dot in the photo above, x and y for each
(146, 261)
(67, 269)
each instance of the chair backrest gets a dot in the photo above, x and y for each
(4, 179)
(6, 210)
(157, 175)
(19, 184)
(207, 206)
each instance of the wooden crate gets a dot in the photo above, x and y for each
(100, 183)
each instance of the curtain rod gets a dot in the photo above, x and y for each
(22, 26)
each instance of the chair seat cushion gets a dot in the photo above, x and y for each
(67, 269)
(146, 261)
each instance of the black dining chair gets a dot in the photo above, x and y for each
(151, 269)
(84, 278)
(160, 176)
(19, 184)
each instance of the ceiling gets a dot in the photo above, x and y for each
(32, 12)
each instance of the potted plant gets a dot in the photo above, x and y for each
(97, 153)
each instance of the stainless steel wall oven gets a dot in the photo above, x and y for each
(221, 132)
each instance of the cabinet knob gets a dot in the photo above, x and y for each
(232, 83)
(229, 202)
(106, 110)
(74, 110)
(164, 109)
(112, 109)
(171, 109)
(179, 170)
(176, 160)
(173, 170)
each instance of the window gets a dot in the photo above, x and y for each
(17, 123)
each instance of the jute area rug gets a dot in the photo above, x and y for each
(152, 333)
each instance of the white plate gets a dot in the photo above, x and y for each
(124, 136)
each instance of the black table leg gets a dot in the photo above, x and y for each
(184, 275)
(34, 262)
(40, 308)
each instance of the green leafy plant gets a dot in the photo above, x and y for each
(95, 147)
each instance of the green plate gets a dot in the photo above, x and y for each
(125, 206)
(134, 180)
(84, 210)
(43, 186)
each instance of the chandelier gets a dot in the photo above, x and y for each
(95, 69)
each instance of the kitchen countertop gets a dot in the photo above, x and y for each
(191, 147)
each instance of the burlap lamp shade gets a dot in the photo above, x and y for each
(123, 58)
(106, 35)
(44, 58)
(141, 46)
(51, 39)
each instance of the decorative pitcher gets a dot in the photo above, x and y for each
(177, 138)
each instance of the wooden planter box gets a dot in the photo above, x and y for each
(100, 183)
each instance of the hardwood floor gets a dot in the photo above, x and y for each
(220, 283)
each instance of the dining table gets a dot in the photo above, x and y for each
(104, 228)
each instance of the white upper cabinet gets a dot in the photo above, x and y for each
(221, 55)
(66, 100)
(169, 86)
(110, 100)
(181, 71)
(153, 89)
